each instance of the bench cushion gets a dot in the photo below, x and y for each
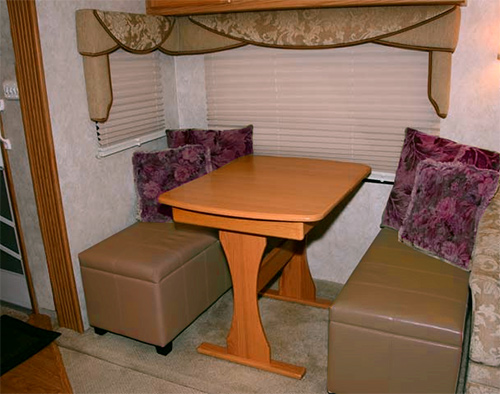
(397, 326)
(151, 280)
(402, 291)
(148, 251)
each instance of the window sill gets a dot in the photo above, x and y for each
(115, 148)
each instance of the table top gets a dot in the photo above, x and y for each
(270, 188)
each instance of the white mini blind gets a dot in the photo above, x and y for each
(350, 104)
(137, 113)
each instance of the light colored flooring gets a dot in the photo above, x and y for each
(116, 364)
(107, 377)
(86, 373)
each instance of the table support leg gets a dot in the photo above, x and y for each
(246, 337)
(246, 342)
(296, 283)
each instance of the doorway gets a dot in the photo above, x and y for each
(13, 282)
(22, 16)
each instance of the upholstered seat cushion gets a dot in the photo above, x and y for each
(386, 247)
(148, 251)
(398, 324)
(151, 280)
(402, 291)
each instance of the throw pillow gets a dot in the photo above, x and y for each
(159, 171)
(224, 145)
(417, 147)
(447, 201)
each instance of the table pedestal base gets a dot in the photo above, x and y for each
(296, 283)
(246, 342)
(289, 370)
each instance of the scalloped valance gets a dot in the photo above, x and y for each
(433, 29)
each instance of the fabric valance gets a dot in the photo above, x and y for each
(426, 28)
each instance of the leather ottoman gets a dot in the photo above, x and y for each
(398, 324)
(151, 280)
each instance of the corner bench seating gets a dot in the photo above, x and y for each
(398, 324)
(151, 280)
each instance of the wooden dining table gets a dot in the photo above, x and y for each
(248, 200)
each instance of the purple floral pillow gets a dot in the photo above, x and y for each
(158, 172)
(417, 147)
(224, 145)
(447, 201)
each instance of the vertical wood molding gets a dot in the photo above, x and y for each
(40, 144)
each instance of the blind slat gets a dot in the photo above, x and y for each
(130, 127)
(138, 106)
(143, 130)
(139, 115)
(347, 104)
(127, 106)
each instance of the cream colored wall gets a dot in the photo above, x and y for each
(98, 194)
(337, 245)
(23, 185)
(474, 116)
(191, 94)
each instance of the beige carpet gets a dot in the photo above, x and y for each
(92, 375)
(112, 363)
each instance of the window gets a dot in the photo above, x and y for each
(350, 104)
(137, 114)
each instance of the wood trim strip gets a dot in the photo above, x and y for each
(192, 7)
(40, 145)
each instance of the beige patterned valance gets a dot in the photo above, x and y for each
(101, 32)
(320, 28)
(427, 28)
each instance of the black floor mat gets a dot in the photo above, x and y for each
(19, 341)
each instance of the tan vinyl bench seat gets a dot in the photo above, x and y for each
(151, 280)
(398, 324)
